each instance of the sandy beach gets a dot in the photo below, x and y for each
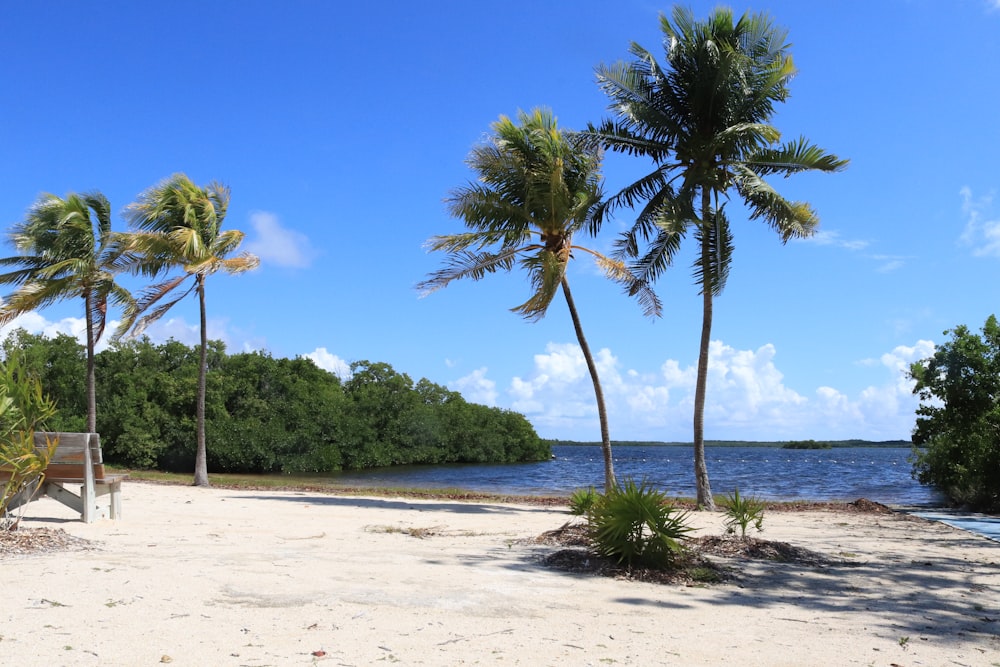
(221, 577)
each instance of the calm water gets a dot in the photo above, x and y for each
(882, 475)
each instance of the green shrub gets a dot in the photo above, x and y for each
(957, 450)
(582, 500)
(742, 511)
(636, 525)
(23, 409)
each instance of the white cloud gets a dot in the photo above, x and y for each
(275, 244)
(182, 331)
(559, 390)
(981, 232)
(882, 406)
(158, 332)
(176, 328)
(889, 263)
(476, 388)
(563, 363)
(35, 323)
(330, 362)
(832, 238)
(747, 398)
(744, 385)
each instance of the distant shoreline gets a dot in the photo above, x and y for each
(776, 444)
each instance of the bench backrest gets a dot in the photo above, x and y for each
(73, 452)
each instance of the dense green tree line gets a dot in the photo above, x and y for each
(266, 414)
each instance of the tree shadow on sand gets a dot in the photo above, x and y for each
(951, 590)
(400, 504)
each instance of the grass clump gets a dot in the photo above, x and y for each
(582, 501)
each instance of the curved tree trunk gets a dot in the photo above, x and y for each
(91, 383)
(609, 466)
(702, 485)
(201, 460)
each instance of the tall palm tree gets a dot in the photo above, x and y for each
(67, 251)
(704, 122)
(538, 187)
(178, 224)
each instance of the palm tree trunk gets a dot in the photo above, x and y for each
(201, 460)
(702, 485)
(91, 383)
(609, 466)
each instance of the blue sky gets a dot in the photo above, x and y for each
(341, 128)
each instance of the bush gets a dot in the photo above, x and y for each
(636, 525)
(958, 420)
(741, 511)
(23, 410)
(582, 501)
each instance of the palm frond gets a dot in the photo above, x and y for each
(101, 207)
(227, 242)
(659, 254)
(618, 271)
(789, 219)
(20, 276)
(711, 267)
(656, 185)
(793, 157)
(545, 272)
(489, 210)
(472, 265)
(36, 295)
(156, 314)
(135, 318)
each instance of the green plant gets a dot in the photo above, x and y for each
(636, 525)
(582, 500)
(23, 408)
(959, 415)
(705, 575)
(742, 511)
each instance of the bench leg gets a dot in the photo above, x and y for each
(24, 496)
(116, 500)
(68, 498)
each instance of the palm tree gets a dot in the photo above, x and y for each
(538, 187)
(704, 122)
(178, 224)
(67, 251)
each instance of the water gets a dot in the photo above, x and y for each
(878, 474)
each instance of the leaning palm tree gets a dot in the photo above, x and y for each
(704, 122)
(538, 186)
(67, 251)
(178, 224)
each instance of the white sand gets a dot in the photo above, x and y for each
(220, 577)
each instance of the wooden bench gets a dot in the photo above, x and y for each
(78, 461)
